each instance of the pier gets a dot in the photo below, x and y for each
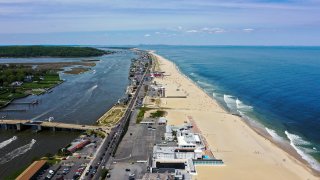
(20, 125)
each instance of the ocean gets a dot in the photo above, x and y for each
(275, 87)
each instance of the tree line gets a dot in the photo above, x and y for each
(50, 51)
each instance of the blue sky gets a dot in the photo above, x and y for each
(181, 22)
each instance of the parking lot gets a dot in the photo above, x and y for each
(135, 150)
(73, 166)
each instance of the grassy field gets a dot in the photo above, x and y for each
(141, 113)
(112, 117)
(8, 94)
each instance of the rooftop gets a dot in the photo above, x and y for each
(31, 170)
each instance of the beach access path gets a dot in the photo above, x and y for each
(246, 154)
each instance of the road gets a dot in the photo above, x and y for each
(109, 144)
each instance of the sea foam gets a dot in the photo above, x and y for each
(296, 141)
(230, 101)
(242, 106)
(274, 135)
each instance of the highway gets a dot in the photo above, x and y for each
(110, 143)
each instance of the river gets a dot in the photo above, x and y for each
(81, 99)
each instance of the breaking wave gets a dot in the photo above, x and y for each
(7, 142)
(242, 106)
(230, 101)
(274, 134)
(204, 84)
(234, 104)
(17, 152)
(296, 142)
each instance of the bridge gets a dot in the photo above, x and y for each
(45, 125)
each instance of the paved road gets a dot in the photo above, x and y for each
(114, 138)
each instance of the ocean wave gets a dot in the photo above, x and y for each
(230, 101)
(17, 152)
(296, 141)
(274, 134)
(7, 142)
(204, 84)
(234, 104)
(242, 106)
(214, 95)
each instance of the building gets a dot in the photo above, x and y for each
(180, 158)
(162, 121)
(157, 91)
(78, 145)
(33, 170)
(17, 83)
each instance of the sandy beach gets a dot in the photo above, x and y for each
(247, 155)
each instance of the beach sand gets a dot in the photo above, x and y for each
(246, 154)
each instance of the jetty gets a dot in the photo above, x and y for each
(20, 125)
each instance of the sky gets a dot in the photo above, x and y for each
(173, 22)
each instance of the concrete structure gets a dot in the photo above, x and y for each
(32, 171)
(183, 156)
(162, 121)
(157, 90)
(41, 125)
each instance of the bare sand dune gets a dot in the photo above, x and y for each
(246, 154)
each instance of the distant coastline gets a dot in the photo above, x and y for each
(50, 51)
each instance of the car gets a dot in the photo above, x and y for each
(127, 169)
(60, 178)
(108, 175)
(49, 176)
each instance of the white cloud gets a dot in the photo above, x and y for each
(147, 35)
(248, 30)
(192, 31)
(214, 30)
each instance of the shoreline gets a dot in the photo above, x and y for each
(255, 126)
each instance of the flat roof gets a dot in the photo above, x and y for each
(31, 170)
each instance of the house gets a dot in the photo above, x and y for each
(17, 83)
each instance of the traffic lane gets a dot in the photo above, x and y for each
(129, 109)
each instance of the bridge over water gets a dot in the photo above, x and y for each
(45, 125)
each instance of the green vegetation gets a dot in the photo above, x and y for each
(141, 113)
(104, 173)
(158, 113)
(17, 81)
(112, 117)
(50, 51)
(95, 132)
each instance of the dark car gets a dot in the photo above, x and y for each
(127, 169)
